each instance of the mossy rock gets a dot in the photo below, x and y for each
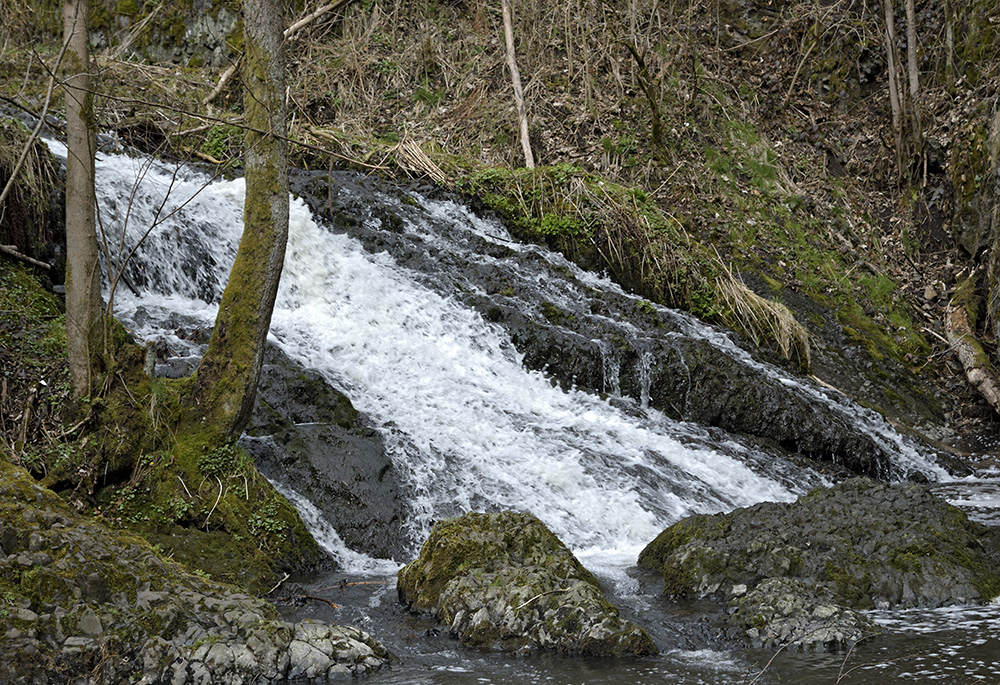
(868, 544)
(83, 602)
(505, 581)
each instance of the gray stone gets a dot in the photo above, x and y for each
(812, 564)
(306, 661)
(89, 623)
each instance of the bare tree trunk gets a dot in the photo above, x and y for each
(226, 383)
(515, 75)
(949, 44)
(84, 330)
(914, 77)
(895, 89)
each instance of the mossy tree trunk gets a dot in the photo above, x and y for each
(84, 329)
(226, 381)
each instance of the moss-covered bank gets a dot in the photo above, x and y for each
(81, 602)
(118, 457)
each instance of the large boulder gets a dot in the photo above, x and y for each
(859, 545)
(84, 603)
(505, 581)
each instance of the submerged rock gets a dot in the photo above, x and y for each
(504, 581)
(859, 545)
(83, 603)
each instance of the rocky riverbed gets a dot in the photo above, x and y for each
(80, 602)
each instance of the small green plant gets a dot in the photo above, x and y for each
(222, 461)
(222, 142)
(646, 307)
(266, 523)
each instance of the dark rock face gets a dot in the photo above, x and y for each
(597, 338)
(307, 433)
(87, 604)
(860, 545)
(504, 581)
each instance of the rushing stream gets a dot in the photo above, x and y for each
(382, 309)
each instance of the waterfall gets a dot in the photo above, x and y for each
(468, 426)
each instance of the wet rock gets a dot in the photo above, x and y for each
(790, 611)
(859, 545)
(305, 431)
(504, 581)
(609, 342)
(148, 620)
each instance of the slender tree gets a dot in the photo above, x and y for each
(515, 77)
(84, 329)
(226, 382)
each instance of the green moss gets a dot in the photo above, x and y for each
(555, 315)
(127, 8)
(483, 541)
(699, 526)
(223, 141)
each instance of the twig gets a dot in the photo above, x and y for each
(312, 597)
(287, 576)
(184, 485)
(541, 594)
(216, 503)
(795, 76)
(845, 674)
(38, 125)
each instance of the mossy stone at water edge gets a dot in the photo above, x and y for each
(505, 581)
(861, 545)
(82, 603)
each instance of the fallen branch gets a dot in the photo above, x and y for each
(978, 370)
(343, 584)
(11, 251)
(287, 576)
(312, 597)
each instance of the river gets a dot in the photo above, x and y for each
(471, 428)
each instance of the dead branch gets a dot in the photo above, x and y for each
(11, 251)
(38, 125)
(312, 597)
(978, 370)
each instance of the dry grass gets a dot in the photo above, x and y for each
(765, 321)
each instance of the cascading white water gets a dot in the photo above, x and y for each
(469, 427)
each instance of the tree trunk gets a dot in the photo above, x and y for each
(515, 76)
(84, 330)
(895, 89)
(914, 77)
(226, 383)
